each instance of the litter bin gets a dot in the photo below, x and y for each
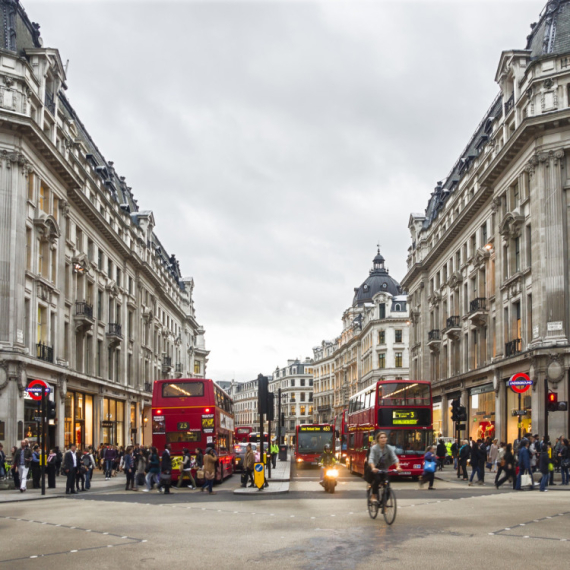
(282, 453)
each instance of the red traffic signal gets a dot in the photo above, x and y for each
(552, 402)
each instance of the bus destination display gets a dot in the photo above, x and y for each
(420, 417)
(314, 428)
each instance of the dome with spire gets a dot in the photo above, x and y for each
(378, 281)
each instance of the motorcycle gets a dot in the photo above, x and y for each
(329, 480)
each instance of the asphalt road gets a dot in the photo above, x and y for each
(305, 529)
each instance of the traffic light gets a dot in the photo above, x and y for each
(462, 414)
(455, 405)
(50, 410)
(270, 406)
(262, 391)
(552, 402)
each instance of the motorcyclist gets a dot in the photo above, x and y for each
(326, 460)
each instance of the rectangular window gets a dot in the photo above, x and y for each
(99, 356)
(484, 234)
(90, 249)
(99, 305)
(109, 269)
(292, 410)
(29, 249)
(382, 307)
(381, 361)
(517, 254)
(528, 246)
(399, 360)
(31, 185)
(130, 285)
(44, 198)
(53, 265)
(130, 325)
(100, 259)
(381, 337)
(110, 363)
(197, 367)
(88, 343)
(56, 208)
(302, 410)
(302, 381)
(119, 277)
(398, 335)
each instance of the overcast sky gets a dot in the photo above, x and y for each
(278, 142)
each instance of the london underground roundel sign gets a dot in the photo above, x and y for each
(35, 389)
(520, 382)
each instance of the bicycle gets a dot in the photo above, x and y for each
(387, 501)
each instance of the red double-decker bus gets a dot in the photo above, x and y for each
(310, 442)
(402, 409)
(192, 413)
(241, 434)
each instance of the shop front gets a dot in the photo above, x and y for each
(518, 413)
(113, 422)
(437, 417)
(481, 422)
(78, 419)
(32, 417)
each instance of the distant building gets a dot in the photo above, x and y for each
(296, 383)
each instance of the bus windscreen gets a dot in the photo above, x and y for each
(315, 441)
(182, 389)
(409, 442)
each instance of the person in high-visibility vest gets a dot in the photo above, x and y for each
(274, 449)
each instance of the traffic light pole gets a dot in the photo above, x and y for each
(280, 442)
(43, 457)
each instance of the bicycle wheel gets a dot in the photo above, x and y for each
(389, 506)
(372, 506)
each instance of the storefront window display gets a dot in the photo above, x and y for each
(512, 416)
(482, 412)
(437, 419)
(113, 422)
(78, 421)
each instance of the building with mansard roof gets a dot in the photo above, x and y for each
(488, 265)
(93, 304)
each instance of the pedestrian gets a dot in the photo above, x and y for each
(441, 453)
(14, 468)
(153, 472)
(464, 454)
(493, 455)
(2, 462)
(58, 459)
(90, 468)
(69, 468)
(210, 460)
(86, 466)
(199, 458)
(249, 462)
(544, 467)
(429, 468)
(524, 462)
(138, 467)
(455, 454)
(509, 467)
(110, 456)
(482, 455)
(551, 460)
(475, 451)
(51, 468)
(186, 470)
(274, 450)
(22, 461)
(500, 461)
(165, 471)
(129, 469)
(80, 472)
(35, 465)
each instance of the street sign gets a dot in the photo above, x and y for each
(34, 389)
(461, 427)
(521, 412)
(259, 475)
(520, 382)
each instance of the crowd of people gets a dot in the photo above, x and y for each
(517, 463)
(141, 466)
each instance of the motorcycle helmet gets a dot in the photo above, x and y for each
(327, 447)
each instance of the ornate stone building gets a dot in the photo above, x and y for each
(488, 268)
(373, 344)
(91, 302)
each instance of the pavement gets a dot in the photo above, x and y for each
(278, 483)
(305, 529)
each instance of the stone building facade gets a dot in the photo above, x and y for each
(297, 406)
(488, 268)
(91, 301)
(372, 346)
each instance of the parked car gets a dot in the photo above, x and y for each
(239, 450)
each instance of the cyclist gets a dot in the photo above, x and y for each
(382, 457)
(326, 459)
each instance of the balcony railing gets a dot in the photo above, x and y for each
(115, 329)
(50, 102)
(434, 335)
(453, 322)
(83, 309)
(513, 347)
(479, 304)
(44, 352)
(179, 368)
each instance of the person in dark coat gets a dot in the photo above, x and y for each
(51, 468)
(165, 471)
(509, 467)
(474, 462)
(441, 453)
(543, 462)
(464, 453)
(524, 461)
(36, 467)
(70, 469)
(483, 452)
(58, 460)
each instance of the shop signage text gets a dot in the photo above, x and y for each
(520, 383)
(35, 389)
